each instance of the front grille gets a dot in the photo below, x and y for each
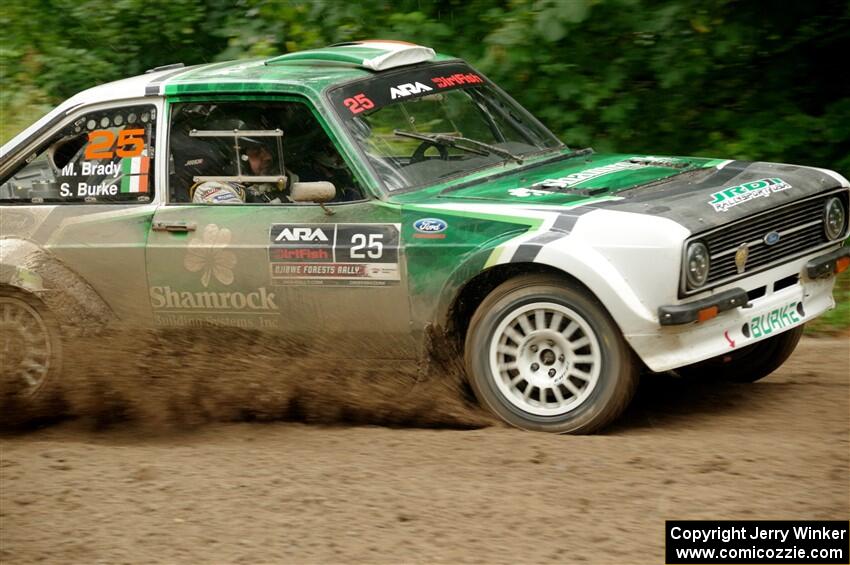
(800, 226)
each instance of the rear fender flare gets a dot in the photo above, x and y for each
(29, 268)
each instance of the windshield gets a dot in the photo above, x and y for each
(410, 124)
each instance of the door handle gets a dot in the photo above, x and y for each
(174, 226)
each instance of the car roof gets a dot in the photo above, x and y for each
(311, 70)
(258, 75)
(299, 72)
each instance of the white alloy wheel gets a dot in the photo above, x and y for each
(543, 354)
(545, 358)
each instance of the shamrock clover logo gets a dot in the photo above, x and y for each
(209, 255)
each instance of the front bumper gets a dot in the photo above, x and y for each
(829, 264)
(685, 342)
(701, 310)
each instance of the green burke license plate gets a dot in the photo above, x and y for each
(777, 319)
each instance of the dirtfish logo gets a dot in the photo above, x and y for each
(403, 90)
(734, 195)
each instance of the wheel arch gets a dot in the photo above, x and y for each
(469, 296)
(29, 269)
(577, 263)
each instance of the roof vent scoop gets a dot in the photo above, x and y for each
(375, 55)
(165, 68)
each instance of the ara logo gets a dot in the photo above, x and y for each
(403, 90)
(301, 234)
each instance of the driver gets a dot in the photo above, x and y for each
(256, 157)
(259, 158)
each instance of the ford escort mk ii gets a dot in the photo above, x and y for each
(388, 201)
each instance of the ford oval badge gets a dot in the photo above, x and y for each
(430, 225)
(772, 238)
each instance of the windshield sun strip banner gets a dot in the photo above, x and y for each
(352, 99)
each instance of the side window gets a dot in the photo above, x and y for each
(251, 152)
(101, 156)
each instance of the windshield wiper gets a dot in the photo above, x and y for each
(478, 147)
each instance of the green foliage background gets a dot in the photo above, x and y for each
(726, 78)
(745, 79)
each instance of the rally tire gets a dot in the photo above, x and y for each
(748, 364)
(546, 356)
(30, 357)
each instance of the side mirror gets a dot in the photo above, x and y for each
(318, 192)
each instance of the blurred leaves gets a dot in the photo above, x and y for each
(709, 77)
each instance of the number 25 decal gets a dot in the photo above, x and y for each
(358, 103)
(130, 143)
(374, 248)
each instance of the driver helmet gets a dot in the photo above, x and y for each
(245, 143)
(201, 156)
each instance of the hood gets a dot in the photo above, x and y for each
(569, 180)
(697, 193)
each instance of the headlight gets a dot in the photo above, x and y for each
(833, 218)
(696, 264)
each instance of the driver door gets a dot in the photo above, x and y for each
(332, 278)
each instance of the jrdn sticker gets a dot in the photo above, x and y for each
(734, 195)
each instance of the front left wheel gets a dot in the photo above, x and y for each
(545, 356)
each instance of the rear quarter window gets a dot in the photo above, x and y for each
(100, 156)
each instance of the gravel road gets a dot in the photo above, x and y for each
(317, 493)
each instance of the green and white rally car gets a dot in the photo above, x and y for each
(379, 193)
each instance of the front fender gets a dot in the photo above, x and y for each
(630, 262)
(471, 267)
(608, 284)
